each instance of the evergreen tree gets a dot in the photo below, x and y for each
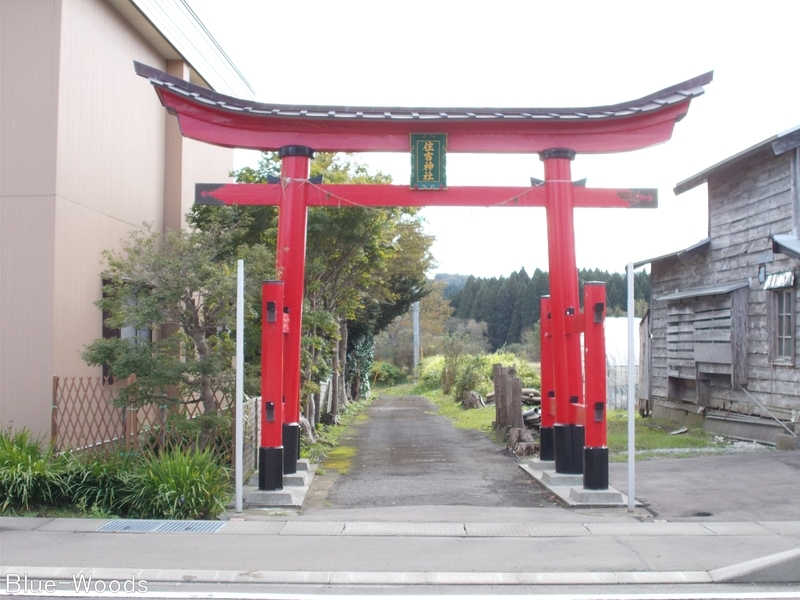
(511, 306)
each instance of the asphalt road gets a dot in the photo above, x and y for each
(407, 455)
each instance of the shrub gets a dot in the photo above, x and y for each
(177, 484)
(473, 372)
(429, 374)
(386, 373)
(95, 483)
(26, 475)
(471, 375)
(530, 378)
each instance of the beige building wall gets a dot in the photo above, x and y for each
(86, 159)
(188, 162)
(110, 172)
(202, 163)
(29, 41)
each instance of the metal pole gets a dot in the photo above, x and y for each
(416, 334)
(239, 379)
(631, 394)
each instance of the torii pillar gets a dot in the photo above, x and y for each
(291, 261)
(568, 441)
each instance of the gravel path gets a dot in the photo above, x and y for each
(407, 455)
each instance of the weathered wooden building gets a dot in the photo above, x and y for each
(721, 336)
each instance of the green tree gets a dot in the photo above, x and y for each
(364, 267)
(176, 285)
(395, 344)
(508, 315)
(532, 341)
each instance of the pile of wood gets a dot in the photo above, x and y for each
(530, 396)
(510, 419)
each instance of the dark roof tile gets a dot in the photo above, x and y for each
(672, 95)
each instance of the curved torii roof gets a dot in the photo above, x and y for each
(211, 117)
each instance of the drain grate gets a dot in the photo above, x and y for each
(131, 525)
(139, 526)
(191, 527)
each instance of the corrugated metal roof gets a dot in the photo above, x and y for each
(715, 290)
(776, 281)
(684, 253)
(669, 96)
(783, 142)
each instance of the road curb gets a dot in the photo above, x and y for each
(66, 574)
(783, 567)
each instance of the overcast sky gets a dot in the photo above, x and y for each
(533, 54)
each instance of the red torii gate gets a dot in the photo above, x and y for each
(555, 134)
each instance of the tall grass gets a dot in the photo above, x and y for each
(96, 483)
(26, 478)
(177, 485)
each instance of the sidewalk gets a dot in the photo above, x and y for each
(542, 549)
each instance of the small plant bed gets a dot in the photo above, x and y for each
(169, 484)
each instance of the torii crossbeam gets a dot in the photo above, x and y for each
(555, 134)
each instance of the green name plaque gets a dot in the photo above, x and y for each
(428, 152)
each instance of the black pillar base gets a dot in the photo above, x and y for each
(270, 469)
(291, 443)
(568, 445)
(595, 468)
(547, 449)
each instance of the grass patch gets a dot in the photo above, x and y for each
(653, 438)
(340, 458)
(401, 389)
(479, 419)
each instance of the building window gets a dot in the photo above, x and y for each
(783, 325)
(124, 333)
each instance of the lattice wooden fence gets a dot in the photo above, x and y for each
(84, 418)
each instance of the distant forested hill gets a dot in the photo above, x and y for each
(510, 305)
(452, 283)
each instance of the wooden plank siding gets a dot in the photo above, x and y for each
(704, 348)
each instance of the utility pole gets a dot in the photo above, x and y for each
(416, 334)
